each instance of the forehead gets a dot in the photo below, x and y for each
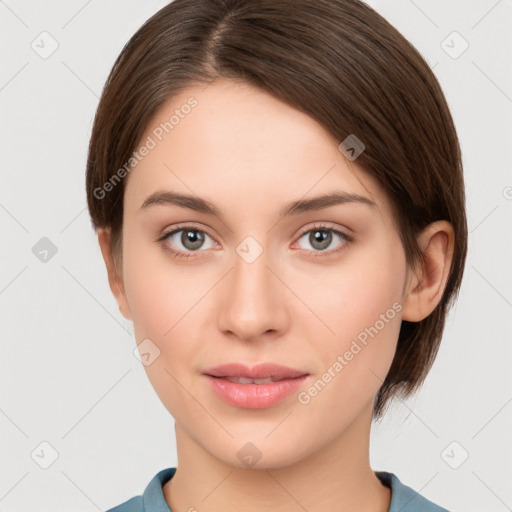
(234, 142)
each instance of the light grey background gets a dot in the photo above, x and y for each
(68, 374)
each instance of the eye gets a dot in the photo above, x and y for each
(184, 241)
(322, 237)
(187, 240)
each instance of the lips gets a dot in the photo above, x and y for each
(258, 387)
(259, 374)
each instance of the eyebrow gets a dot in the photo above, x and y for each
(302, 205)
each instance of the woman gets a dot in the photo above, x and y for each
(278, 195)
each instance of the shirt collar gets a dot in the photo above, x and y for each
(403, 498)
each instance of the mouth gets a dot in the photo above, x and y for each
(259, 374)
(258, 387)
(246, 380)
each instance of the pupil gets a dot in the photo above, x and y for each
(191, 239)
(323, 238)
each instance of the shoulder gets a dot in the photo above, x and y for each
(404, 498)
(133, 505)
(152, 500)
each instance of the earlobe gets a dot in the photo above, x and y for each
(426, 283)
(115, 280)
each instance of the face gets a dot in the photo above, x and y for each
(315, 290)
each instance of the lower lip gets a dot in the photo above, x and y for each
(254, 396)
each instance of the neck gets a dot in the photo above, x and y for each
(337, 477)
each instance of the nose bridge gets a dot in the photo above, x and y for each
(252, 305)
(250, 273)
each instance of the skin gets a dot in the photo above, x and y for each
(250, 154)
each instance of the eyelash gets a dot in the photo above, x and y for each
(316, 254)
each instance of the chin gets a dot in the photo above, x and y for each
(260, 454)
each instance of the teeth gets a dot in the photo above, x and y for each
(245, 380)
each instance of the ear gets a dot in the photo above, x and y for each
(115, 280)
(425, 284)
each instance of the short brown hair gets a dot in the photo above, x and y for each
(341, 63)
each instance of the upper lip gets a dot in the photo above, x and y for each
(260, 371)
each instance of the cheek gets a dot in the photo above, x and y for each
(362, 305)
(162, 295)
(169, 306)
(364, 285)
(166, 304)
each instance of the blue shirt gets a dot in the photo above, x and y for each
(403, 498)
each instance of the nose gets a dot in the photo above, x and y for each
(254, 300)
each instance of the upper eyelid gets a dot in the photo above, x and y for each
(186, 227)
